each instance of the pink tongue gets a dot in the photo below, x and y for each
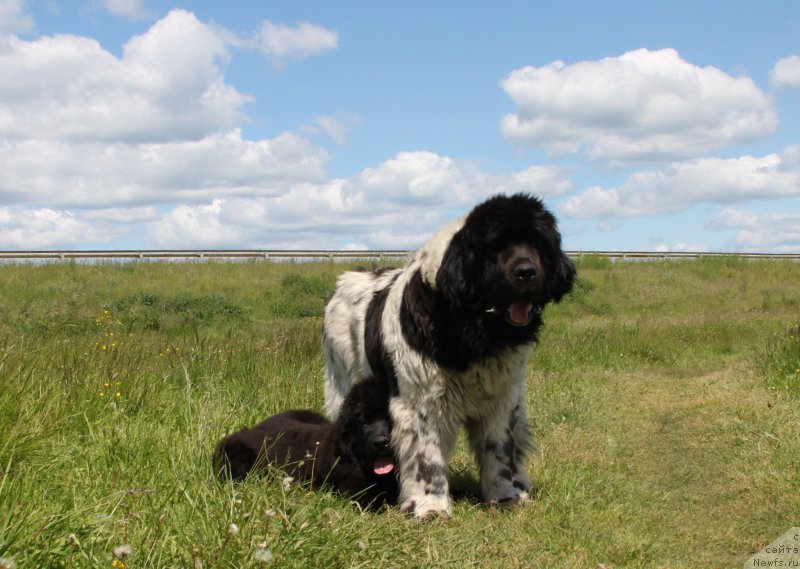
(520, 312)
(383, 466)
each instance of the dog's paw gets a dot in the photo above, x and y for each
(511, 501)
(427, 507)
(506, 493)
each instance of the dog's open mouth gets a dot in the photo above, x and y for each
(383, 465)
(520, 313)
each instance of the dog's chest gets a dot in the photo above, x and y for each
(476, 392)
(473, 389)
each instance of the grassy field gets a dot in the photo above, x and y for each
(665, 398)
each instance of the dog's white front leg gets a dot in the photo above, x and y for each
(424, 490)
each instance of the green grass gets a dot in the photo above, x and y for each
(665, 398)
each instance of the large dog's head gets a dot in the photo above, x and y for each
(505, 262)
(364, 429)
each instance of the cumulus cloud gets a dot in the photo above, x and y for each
(48, 229)
(396, 204)
(786, 72)
(121, 215)
(14, 17)
(282, 43)
(770, 232)
(167, 85)
(641, 106)
(187, 226)
(680, 248)
(548, 181)
(104, 175)
(81, 127)
(684, 184)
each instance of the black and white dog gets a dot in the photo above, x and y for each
(351, 455)
(450, 334)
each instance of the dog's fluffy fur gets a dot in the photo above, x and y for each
(351, 455)
(450, 334)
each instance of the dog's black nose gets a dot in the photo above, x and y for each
(381, 442)
(525, 272)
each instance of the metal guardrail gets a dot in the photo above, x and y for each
(655, 255)
(200, 254)
(333, 255)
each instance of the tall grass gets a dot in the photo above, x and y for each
(780, 362)
(663, 396)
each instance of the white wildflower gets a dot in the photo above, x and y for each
(122, 551)
(262, 555)
(287, 483)
(233, 530)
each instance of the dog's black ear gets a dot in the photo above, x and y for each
(344, 439)
(561, 279)
(454, 280)
(233, 459)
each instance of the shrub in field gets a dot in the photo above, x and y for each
(143, 310)
(300, 296)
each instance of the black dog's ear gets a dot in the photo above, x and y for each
(344, 443)
(233, 459)
(563, 276)
(454, 280)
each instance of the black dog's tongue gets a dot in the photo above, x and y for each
(383, 466)
(520, 312)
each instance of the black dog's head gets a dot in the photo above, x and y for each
(506, 262)
(364, 429)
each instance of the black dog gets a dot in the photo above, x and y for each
(351, 455)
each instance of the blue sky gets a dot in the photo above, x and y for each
(668, 126)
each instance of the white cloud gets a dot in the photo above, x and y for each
(14, 17)
(81, 127)
(680, 248)
(684, 184)
(281, 43)
(186, 227)
(107, 175)
(786, 72)
(547, 181)
(47, 229)
(419, 177)
(130, 9)
(396, 204)
(167, 86)
(119, 215)
(92, 143)
(771, 232)
(641, 106)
